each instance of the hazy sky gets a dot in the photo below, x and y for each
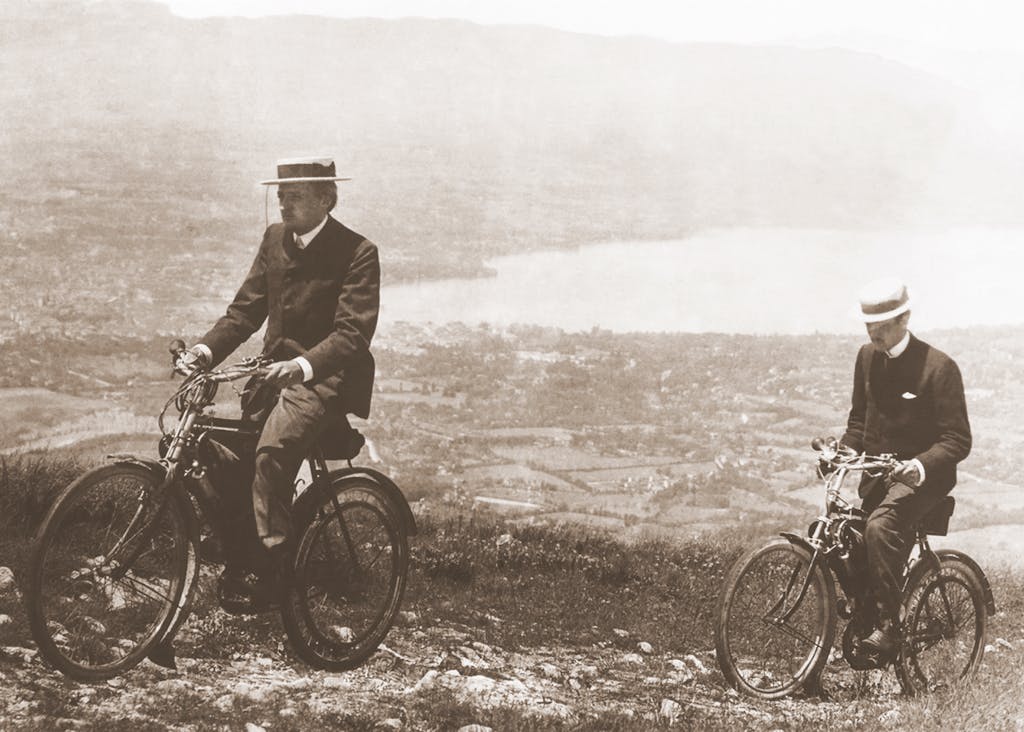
(949, 24)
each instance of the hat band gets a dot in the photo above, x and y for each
(305, 170)
(884, 308)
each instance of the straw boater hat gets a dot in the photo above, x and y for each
(883, 299)
(304, 170)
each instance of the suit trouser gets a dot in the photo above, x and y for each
(296, 422)
(255, 487)
(889, 538)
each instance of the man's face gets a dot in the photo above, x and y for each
(888, 333)
(302, 208)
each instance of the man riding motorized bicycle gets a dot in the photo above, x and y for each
(316, 284)
(908, 400)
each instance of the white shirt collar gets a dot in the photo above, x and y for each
(302, 241)
(897, 350)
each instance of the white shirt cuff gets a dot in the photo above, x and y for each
(307, 372)
(205, 350)
(920, 469)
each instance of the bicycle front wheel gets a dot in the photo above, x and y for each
(348, 577)
(106, 571)
(776, 621)
(944, 628)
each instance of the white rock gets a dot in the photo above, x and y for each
(634, 659)
(549, 670)
(250, 727)
(5, 620)
(474, 728)
(428, 681)
(94, 625)
(645, 647)
(670, 710)
(6, 579)
(887, 719)
(343, 633)
(172, 686)
(335, 682)
(504, 539)
(407, 618)
(696, 664)
(1003, 643)
(481, 647)
(17, 653)
(651, 681)
(676, 664)
(390, 723)
(478, 684)
(989, 648)
(620, 632)
(225, 703)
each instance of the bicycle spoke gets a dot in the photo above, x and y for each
(774, 622)
(348, 581)
(108, 570)
(141, 588)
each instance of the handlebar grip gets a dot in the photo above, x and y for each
(177, 347)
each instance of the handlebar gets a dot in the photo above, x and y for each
(838, 455)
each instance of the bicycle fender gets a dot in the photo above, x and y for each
(797, 540)
(158, 469)
(990, 602)
(392, 491)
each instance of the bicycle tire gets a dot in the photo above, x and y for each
(944, 628)
(103, 580)
(338, 606)
(772, 658)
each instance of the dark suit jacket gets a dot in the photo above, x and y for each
(324, 299)
(912, 406)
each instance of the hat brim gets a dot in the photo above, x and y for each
(313, 179)
(880, 317)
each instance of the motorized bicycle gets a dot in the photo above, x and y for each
(114, 565)
(779, 609)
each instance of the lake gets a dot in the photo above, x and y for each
(734, 280)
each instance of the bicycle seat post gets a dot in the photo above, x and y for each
(317, 465)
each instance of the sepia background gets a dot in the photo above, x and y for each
(620, 245)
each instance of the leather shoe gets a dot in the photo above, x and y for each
(879, 643)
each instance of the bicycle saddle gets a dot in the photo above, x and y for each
(936, 521)
(341, 441)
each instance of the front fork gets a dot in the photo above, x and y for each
(781, 612)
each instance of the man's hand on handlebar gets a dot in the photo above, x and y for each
(283, 373)
(907, 473)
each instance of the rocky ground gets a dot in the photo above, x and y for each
(430, 674)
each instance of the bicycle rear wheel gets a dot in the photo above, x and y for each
(348, 577)
(106, 571)
(773, 635)
(943, 630)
